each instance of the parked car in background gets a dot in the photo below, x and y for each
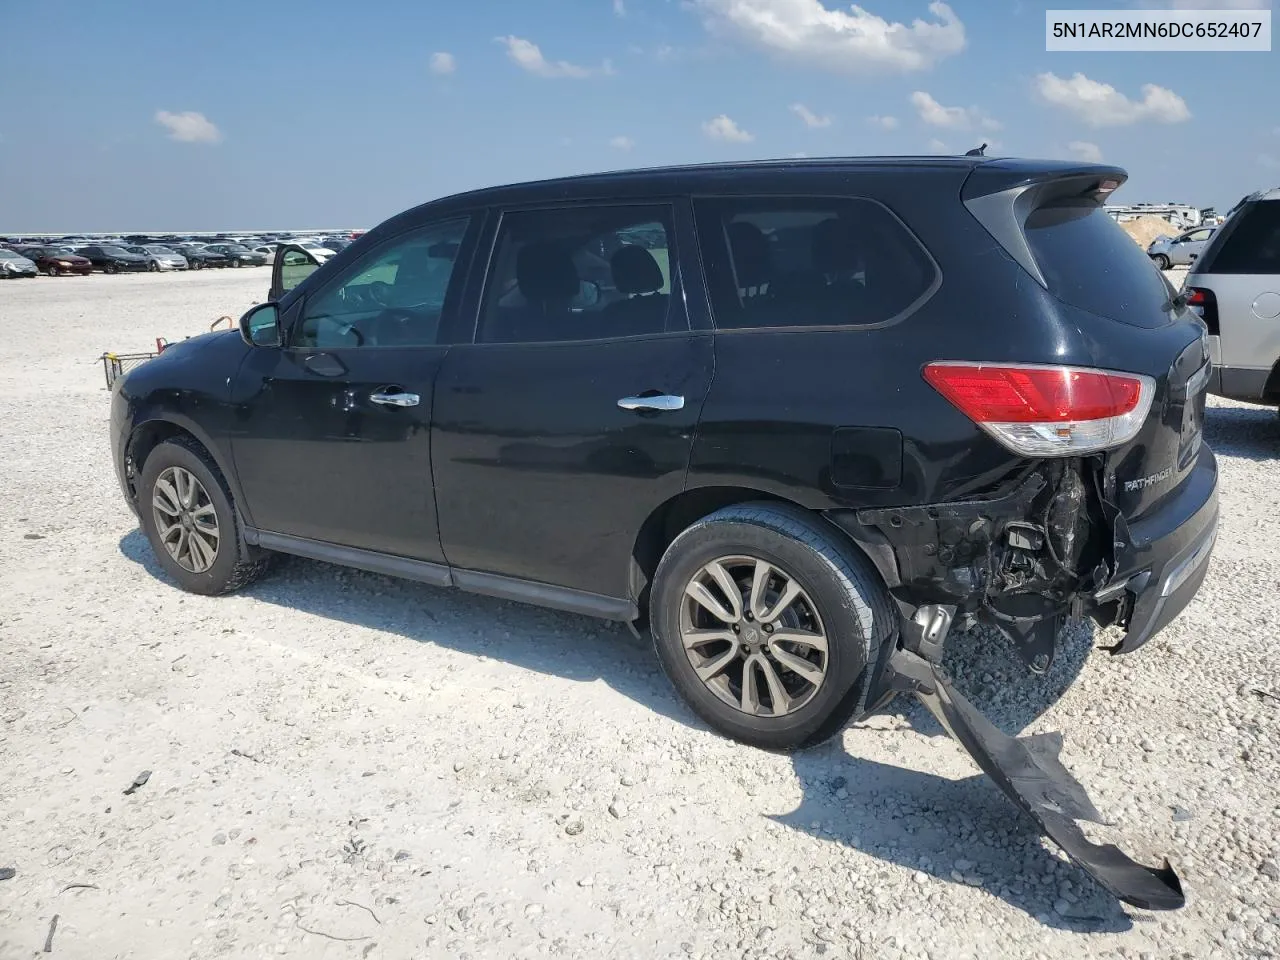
(1180, 250)
(199, 257)
(13, 264)
(58, 261)
(336, 244)
(237, 254)
(160, 257)
(268, 250)
(1234, 286)
(112, 259)
(315, 248)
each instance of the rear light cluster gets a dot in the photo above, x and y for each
(1205, 305)
(1047, 411)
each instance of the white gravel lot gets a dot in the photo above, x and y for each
(348, 766)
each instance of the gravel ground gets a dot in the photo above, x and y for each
(343, 765)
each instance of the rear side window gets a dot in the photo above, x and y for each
(809, 262)
(1090, 263)
(1253, 245)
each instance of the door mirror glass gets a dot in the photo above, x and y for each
(260, 327)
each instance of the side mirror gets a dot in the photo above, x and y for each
(588, 295)
(260, 327)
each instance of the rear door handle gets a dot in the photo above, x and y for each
(661, 401)
(397, 399)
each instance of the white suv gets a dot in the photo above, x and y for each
(1235, 287)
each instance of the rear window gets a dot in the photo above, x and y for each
(1253, 244)
(1090, 263)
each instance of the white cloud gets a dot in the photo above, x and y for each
(937, 146)
(622, 143)
(884, 123)
(856, 41)
(619, 8)
(723, 128)
(810, 118)
(1102, 105)
(188, 127)
(443, 63)
(1086, 151)
(526, 55)
(1268, 161)
(951, 118)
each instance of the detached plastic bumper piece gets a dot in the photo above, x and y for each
(1027, 769)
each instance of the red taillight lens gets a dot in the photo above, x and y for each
(1046, 410)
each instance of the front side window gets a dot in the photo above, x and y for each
(393, 296)
(809, 262)
(581, 273)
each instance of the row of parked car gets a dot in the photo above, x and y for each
(77, 256)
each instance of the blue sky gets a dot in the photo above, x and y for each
(257, 115)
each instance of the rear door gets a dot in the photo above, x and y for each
(571, 416)
(332, 435)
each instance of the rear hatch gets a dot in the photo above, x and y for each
(1051, 220)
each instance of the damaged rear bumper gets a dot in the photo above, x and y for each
(1161, 560)
(1028, 772)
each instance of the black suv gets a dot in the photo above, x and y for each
(795, 416)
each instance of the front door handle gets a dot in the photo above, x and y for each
(661, 401)
(397, 399)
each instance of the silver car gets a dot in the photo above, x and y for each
(1235, 287)
(1180, 250)
(160, 258)
(14, 264)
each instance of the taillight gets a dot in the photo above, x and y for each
(1205, 305)
(1046, 411)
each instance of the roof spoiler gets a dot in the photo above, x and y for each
(1001, 195)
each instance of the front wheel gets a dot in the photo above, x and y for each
(109, 268)
(51, 270)
(236, 262)
(766, 623)
(153, 266)
(1162, 261)
(191, 523)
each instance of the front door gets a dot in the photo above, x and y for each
(571, 417)
(331, 433)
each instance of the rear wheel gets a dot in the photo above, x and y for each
(766, 623)
(188, 516)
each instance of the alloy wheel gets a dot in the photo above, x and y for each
(753, 636)
(185, 519)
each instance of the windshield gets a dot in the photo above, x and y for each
(233, 248)
(162, 251)
(1089, 262)
(7, 254)
(114, 251)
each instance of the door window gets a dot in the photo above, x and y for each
(295, 266)
(1253, 244)
(581, 273)
(800, 262)
(393, 296)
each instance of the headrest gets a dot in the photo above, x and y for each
(545, 271)
(834, 247)
(635, 270)
(750, 249)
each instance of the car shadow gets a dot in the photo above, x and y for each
(1246, 431)
(914, 819)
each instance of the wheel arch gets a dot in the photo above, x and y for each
(671, 517)
(151, 431)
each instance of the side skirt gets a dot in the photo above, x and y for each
(442, 575)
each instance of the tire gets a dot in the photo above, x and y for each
(236, 262)
(153, 267)
(109, 268)
(234, 564)
(842, 597)
(51, 270)
(1162, 261)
